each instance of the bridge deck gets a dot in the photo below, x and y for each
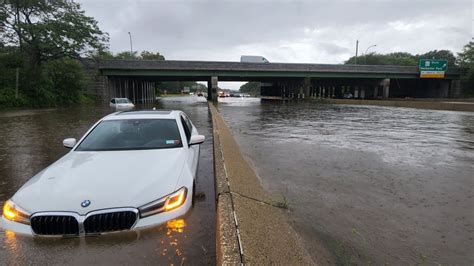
(237, 69)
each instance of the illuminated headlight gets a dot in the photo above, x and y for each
(12, 212)
(167, 203)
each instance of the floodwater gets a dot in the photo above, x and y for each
(373, 184)
(31, 140)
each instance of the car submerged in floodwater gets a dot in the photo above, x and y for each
(121, 104)
(132, 169)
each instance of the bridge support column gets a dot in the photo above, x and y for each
(362, 93)
(455, 89)
(376, 91)
(306, 87)
(386, 88)
(212, 89)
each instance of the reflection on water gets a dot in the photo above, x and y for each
(31, 140)
(401, 178)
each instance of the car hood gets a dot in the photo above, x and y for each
(108, 179)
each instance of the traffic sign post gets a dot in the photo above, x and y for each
(433, 68)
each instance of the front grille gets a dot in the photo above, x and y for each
(108, 222)
(55, 225)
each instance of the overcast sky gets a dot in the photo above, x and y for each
(283, 31)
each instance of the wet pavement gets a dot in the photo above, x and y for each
(374, 184)
(30, 140)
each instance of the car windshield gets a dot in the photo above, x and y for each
(123, 101)
(132, 134)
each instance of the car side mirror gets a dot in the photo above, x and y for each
(69, 142)
(196, 139)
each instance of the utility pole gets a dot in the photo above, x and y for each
(357, 50)
(131, 49)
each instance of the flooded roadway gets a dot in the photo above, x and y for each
(31, 140)
(373, 184)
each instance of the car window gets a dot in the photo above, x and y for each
(113, 101)
(188, 122)
(132, 134)
(122, 100)
(187, 130)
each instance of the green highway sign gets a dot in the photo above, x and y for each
(433, 68)
(433, 65)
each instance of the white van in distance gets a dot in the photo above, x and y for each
(253, 59)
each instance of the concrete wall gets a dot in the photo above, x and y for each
(96, 83)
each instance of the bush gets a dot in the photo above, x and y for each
(60, 82)
(63, 82)
(8, 100)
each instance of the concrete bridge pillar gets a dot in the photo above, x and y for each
(376, 91)
(212, 85)
(386, 88)
(356, 92)
(362, 93)
(306, 87)
(455, 88)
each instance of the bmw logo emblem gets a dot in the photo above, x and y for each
(85, 203)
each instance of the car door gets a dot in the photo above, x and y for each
(193, 151)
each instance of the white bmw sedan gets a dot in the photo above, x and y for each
(131, 170)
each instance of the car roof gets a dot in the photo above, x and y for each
(144, 114)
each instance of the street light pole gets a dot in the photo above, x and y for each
(131, 49)
(365, 54)
(369, 48)
(357, 50)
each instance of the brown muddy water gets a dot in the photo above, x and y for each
(374, 184)
(30, 140)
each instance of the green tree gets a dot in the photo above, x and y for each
(145, 55)
(402, 58)
(252, 88)
(399, 59)
(466, 60)
(127, 55)
(48, 30)
(63, 81)
(439, 54)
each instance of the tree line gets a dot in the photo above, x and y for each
(464, 59)
(40, 41)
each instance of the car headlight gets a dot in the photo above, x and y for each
(166, 203)
(12, 212)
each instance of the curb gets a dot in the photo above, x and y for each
(250, 228)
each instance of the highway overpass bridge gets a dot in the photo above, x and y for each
(135, 79)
